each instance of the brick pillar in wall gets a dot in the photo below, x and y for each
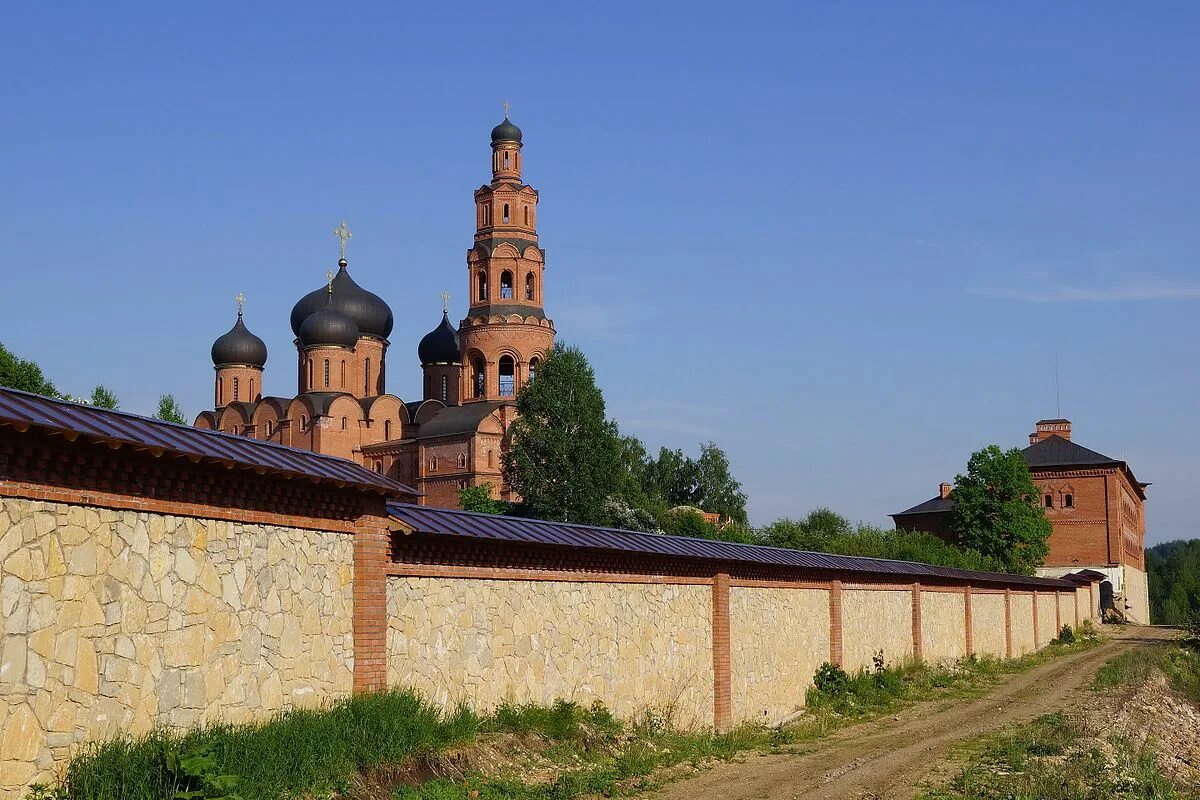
(722, 682)
(371, 542)
(916, 620)
(835, 623)
(1008, 623)
(969, 625)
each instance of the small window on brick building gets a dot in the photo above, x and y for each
(491, 459)
(1049, 501)
(1068, 501)
(236, 391)
(481, 286)
(270, 429)
(387, 430)
(303, 423)
(379, 467)
(526, 216)
(343, 423)
(433, 464)
(462, 460)
(506, 204)
(367, 377)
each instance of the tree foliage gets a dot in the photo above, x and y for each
(1173, 569)
(169, 410)
(997, 510)
(479, 499)
(564, 459)
(102, 397)
(27, 376)
(825, 531)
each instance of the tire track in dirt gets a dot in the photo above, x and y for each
(886, 759)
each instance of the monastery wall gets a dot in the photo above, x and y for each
(988, 632)
(943, 626)
(117, 621)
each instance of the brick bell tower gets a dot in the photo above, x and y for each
(506, 333)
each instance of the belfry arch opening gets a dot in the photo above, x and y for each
(506, 284)
(533, 365)
(529, 286)
(478, 386)
(481, 287)
(508, 376)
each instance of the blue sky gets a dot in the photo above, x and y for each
(846, 242)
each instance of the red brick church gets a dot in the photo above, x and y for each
(1095, 504)
(453, 436)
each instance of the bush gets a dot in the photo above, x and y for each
(1066, 635)
(831, 679)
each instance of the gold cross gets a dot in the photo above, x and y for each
(343, 234)
(241, 301)
(507, 107)
(329, 280)
(446, 302)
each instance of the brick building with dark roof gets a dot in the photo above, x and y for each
(1096, 507)
(453, 436)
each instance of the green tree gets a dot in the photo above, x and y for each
(169, 410)
(1173, 570)
(718, 491)
(997, 510)
(102, 397)
(672, 477)
(565, 456)
(26, 376)
(479, 499)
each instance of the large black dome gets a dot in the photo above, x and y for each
(239, 346)
(440, 345)
(369, 312)
(506, 132)
(328, 326)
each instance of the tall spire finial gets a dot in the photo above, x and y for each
(507, 108)
(329, 281)
(343, 234)
(445, 302)
(241, 301)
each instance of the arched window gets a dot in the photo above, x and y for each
(477, 377)
(481, 285)
(533, 365)
(343, 373)
(379, 467)
(303, 423)
(310, 375)
(506, 284)
(251, 396)
(462, 460)
(433, 464)
(236, 396)
(527, 216)
(220, 390)
(491, 459)
(387, 430)
(529, 286)
(508, 370)
(506, 164)
(270, 429)
(344, 423)
(327, 373)
(1068, 501)
(445, 389)
(1049, 501)
(367, 377)
(506, 208)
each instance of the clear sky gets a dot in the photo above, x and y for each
(846, 242)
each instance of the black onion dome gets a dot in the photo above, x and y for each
(368, 310)
(506, 132)
(440, 345)
(239, 346)
(328, 326)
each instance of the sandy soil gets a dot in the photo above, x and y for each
(888, 759)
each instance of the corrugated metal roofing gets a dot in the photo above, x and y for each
(24, 409)
(442, 521)
(935, 505)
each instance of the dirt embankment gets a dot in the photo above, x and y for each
(1170, 724)
(889, 758)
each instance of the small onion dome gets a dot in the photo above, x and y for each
(329, 327)
(239, 346)
(506, 132)
(369, 312)
(440, 345)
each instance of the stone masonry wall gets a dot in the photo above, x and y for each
(778, 638)
(875, 620)
(943, 626)
(635, 646)
(987, 624)
(1047, 610)
(1022, 624)
(1137, 595)
(114, 622)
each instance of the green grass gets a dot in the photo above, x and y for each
(1055, 758)
(1131, 669)
(316, 753)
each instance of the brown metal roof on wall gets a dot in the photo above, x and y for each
(22, 410)
(444, 522)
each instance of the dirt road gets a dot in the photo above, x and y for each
(887, 759)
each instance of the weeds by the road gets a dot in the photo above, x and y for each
(1131, 669)
(1057, 758)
